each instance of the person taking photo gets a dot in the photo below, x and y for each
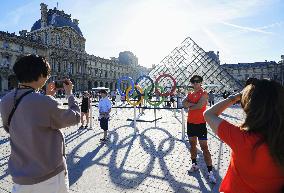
(37, 161)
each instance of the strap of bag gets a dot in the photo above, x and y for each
(16, 105)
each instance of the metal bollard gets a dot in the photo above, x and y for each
(91, 117)
(182, 122)
(135, 128)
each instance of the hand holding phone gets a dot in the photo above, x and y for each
(60, 83)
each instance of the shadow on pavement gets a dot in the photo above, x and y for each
(126, 177)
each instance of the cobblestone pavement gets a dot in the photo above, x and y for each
(155, 159)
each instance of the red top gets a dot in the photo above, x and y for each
(196, 116)
(249, 171)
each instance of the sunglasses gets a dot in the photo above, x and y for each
(195, 81)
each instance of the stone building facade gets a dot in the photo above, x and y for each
(58, 38)
(268, 69)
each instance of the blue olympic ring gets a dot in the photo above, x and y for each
(119, 83)
(149, 78)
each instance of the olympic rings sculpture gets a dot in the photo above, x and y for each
(135, 90)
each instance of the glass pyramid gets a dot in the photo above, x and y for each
(187, 60)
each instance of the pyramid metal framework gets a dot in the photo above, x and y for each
(189, 59)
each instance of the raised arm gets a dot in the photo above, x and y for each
(62, 117)
(211, 115)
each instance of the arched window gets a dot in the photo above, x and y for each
(53, 66)
(57, 39)
(5, 45)
(71, 68)
(45, 38)
(0, 83)
(6, 61)
(65, 66)
(70, 43)
(58, 68)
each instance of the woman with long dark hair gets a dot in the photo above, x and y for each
(257, 160)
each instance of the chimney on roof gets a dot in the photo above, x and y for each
(43, 9)
(76, 21)
(23, 33)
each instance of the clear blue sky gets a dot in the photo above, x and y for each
(241, 30)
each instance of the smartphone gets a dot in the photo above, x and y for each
(59, 83)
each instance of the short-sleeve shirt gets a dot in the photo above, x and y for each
(251, 169)
(196, 116)
(104, 105)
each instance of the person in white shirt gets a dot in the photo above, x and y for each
(104, 110)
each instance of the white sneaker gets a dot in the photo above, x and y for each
(211, 177)
(193, 168)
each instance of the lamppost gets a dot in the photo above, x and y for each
(282, 70)
(112, 78)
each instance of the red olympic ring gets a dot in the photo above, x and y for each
(168, 93)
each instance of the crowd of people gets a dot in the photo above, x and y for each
(38, 162)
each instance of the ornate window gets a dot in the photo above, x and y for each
(45, 38)
(57, 39)
(70, 42)
(100, 73)
(71, 68)
(58, 67)
(6, 62)
(64, 65)
(5, 45)
(53, 64)
(21, 48)
(80, 68)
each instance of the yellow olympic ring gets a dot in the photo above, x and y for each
(127, 95)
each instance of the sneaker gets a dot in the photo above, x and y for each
(193, 168)
(211, 177)
(86, 127)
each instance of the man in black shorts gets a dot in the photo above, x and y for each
(196, 102)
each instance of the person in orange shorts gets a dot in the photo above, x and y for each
(257, 159)
(196, 102)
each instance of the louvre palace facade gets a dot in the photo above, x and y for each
(269, 70)
(58, 38)
(261, 70)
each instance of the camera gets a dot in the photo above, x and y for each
(59, 83)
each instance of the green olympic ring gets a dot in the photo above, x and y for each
(147, 99)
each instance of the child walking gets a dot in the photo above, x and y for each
(104, 110)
